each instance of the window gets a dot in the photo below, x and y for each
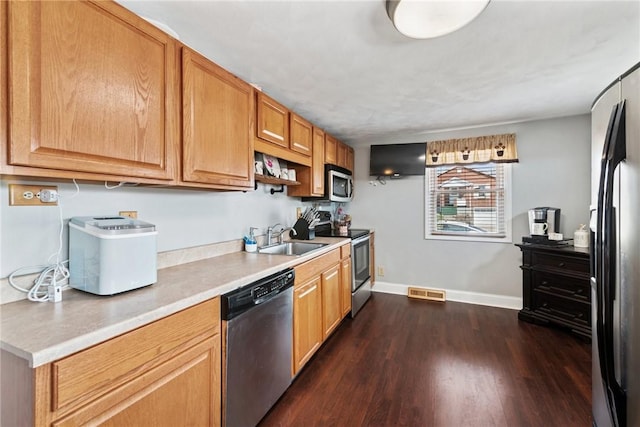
(470, 202)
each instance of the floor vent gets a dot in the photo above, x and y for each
(428, 294)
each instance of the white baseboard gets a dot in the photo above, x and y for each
(492, 300)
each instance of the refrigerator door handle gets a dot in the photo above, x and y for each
(605, 263)
(597, 260)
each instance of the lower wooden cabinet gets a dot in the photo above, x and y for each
(318, 304)
(166, 373)
(331, 300)
(182, 394)
(307, 322)
(346, 279)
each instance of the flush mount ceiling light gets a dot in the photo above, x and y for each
(425, 19)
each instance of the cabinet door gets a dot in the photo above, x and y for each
(330, 147)
(93, 88)
(301, 134)
(311, 178)
(341, 154)
(307, 322)
(218, 109)
(331, 300)
(317, 168)
(188, 393)
(273, 121)
(350, 159)
(345, 286)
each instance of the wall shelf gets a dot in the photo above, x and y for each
(274, 181)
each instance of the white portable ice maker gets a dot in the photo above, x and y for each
(109, 255)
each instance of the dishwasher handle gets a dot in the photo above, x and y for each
(243, 299)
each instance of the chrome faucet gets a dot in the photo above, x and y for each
(270, 232)
(279, 234)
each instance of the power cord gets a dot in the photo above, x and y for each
(49, 284)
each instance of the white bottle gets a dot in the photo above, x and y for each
(581, 237)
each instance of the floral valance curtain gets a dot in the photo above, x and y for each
(480, 149)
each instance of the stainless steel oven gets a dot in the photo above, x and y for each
(360, 259)
(360, 264)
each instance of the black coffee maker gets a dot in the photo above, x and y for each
(544, 220)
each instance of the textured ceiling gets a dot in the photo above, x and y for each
(343, 66)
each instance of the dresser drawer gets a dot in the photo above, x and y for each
(566, 310)
(564, 286)
(560, 262)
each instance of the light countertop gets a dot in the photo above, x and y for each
(44, 332)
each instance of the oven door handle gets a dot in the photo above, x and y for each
(359, 240)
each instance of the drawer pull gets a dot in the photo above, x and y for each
(544, 283)
(562, 264)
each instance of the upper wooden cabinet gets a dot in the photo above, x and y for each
(341, 154)
(218, 111)
(337, 153)
(282, 133)
(350, 159)
(330, 150)
(273, 121)
(93, 88)
(317, 167)
(301, 134)
(311, 178)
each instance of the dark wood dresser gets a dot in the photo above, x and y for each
(556, 287)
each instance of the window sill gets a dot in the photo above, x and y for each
(470, 238)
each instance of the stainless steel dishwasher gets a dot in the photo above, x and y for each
(257, 333)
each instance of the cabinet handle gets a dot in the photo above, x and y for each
(561, 264)
(544, 282)
(308, 291)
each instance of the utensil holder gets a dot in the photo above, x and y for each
(303, 232)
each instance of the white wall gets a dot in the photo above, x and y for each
(183, 217)
(554, 170)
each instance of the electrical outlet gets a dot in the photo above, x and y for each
(130, 214)
(381, 271)
(27, 195)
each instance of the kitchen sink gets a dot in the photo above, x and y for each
(291, 248)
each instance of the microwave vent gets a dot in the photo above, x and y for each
(428, 294)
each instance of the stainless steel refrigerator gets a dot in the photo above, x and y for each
(615, 252)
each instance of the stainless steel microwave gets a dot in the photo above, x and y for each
(338, 185)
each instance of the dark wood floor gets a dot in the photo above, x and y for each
(405, 362)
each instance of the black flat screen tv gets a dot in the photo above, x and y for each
(397, 160)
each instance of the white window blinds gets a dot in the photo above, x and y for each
(467, 200)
